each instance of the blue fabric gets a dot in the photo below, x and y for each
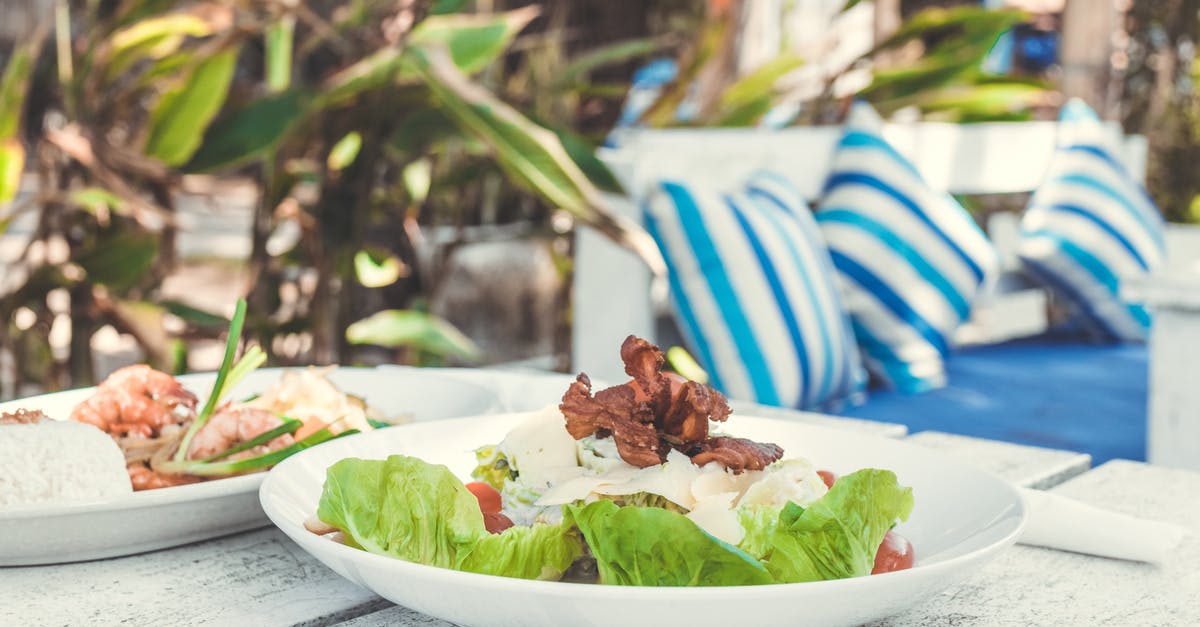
(753, 293)
(1039, 392)
(911, 260)
(1090, 228)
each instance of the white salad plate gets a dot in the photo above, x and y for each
(962, 518)
(156, 519)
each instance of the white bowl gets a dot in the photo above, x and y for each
(156, 519)
(962, 518)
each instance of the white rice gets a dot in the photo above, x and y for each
(55, 461)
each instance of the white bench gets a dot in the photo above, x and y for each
(614, 294)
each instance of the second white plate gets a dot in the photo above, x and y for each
(156, 519)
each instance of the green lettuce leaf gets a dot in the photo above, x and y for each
(406, 508)
(537, 552)
(834, 537)
(402, 507)
(646, 546)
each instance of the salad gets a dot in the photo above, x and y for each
(631, 485)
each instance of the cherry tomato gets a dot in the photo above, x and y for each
(895, 553)
(828, 476)
(495, 522)
(488, 497)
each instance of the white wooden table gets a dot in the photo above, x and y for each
(262, 578)
(1036, 586)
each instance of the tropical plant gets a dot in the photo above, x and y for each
(933, 63)
(353, 116)
(1160, 100)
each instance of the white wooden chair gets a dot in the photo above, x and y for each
(614, 294)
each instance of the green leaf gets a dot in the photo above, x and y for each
(250, 132)
(648, 546)
(961, 37)
(618, 52)
(583, 153)
(442, 7)
(415, 329)
(97, 199)
(409, 509)
(422, 128)
(130, 11)
(709, 43)
(12, 163)
(474, 40)
(539, 551)
(344, 151)
(373, 274)
(836, 536)
(746, 115)
(278, 51)
(532, 156)
(14, 87)
(167, 68)
(151, 39)
(380, 69)
(759, 83)
(418, 178)
(195, 317)
(178, 122)
(119, 261)
(980, 102)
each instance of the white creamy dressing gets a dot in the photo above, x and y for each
(555, 469)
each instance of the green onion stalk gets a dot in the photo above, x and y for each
(229, 376)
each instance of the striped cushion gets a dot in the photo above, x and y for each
(910, 259)
(1090, 227)
(753, 293)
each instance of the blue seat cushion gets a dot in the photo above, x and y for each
(1038, 391)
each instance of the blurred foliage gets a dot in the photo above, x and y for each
(933, 64)
(364, 123)
(1159, 100)
(939, 68)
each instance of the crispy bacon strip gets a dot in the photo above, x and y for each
(614, 411)
(736, 454)
(686, 417)
(644, 362)
(653, 413)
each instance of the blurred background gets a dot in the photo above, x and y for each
(399, 181)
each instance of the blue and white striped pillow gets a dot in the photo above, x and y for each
(910, 259)
(753, 292)
(1090, 227)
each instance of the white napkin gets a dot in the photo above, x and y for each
(1058, 522)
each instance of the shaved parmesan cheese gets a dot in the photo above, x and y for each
(715, 515)
(792, 480)
(540, 448)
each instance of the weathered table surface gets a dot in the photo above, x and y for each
(262, 578)
(1036, 586)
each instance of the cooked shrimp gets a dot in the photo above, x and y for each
(232, 425)
(143, 478)
(137, 401)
